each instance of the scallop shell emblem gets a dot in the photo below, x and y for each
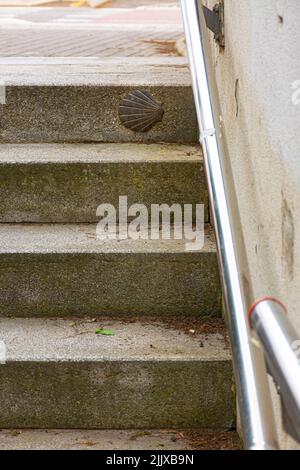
(139, 111)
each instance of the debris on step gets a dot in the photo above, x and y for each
(104, 332)
(175, 440)
(180, 47)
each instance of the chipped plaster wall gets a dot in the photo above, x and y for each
(255, 75)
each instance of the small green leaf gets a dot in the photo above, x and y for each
(104, 332)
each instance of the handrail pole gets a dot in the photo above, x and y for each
(281, 345)
(253, 393)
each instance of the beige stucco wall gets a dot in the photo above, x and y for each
(255, 75)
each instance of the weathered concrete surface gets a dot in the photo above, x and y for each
(258, 81)
(79, 103)
(58, 340)
(88, 71)
(145, 376)
(62, 439)
(67, 182)
(65, 270)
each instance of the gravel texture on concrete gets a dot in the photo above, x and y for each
(80, 103)
(65, 183)
(25, 439)
(61, 375)
(58, 270)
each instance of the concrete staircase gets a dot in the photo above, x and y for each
(63, 152)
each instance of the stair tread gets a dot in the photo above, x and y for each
(51, 101)
(46, 153)
(173, 71)
(81, 238)
(67, 340)
(60, 374)
(117, 440)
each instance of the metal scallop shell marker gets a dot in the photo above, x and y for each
(139, 111)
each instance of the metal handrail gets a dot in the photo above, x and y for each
(281, 345)
(253, 394)
(278, 350)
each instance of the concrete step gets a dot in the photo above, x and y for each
(59, 270)
(48, 183)
(53, 439)
(147, 376)
(77, 100)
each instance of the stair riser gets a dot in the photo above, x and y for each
(71, 192)
(90, 114)
(117, 395)
(109, 283)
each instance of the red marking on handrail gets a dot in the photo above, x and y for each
(263, 299)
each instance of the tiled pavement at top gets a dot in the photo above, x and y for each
(142, 31)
